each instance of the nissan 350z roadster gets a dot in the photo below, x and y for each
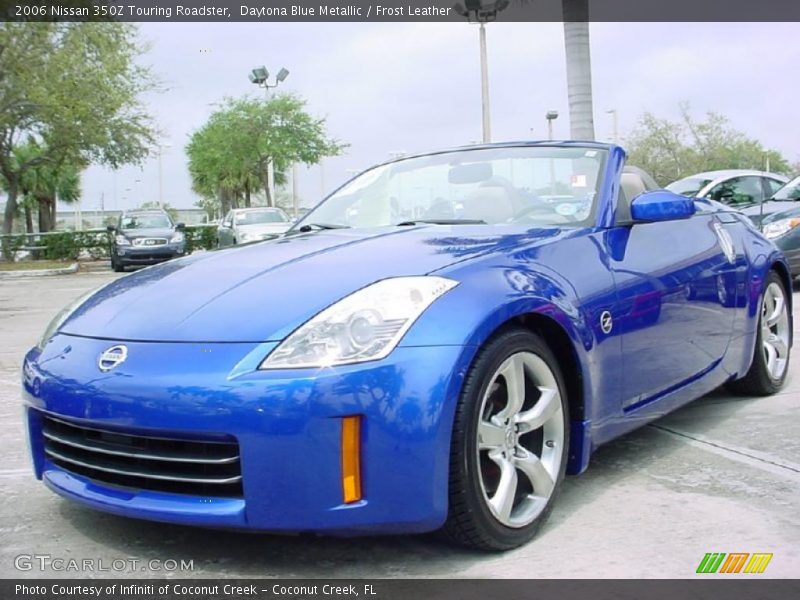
(434, 346)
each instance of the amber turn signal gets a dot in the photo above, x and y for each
(351, 459)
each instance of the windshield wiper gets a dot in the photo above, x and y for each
(318, 226)
(442, 222)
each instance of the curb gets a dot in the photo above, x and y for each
(39, 272)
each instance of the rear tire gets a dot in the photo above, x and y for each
(510, 444)
(768, 371)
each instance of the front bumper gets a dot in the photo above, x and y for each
(287, 425)
(148, 255)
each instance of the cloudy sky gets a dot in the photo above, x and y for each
(411, 87)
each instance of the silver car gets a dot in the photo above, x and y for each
(736, 187)
(243, 225)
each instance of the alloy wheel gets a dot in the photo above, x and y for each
(520, 439)
(775, 330)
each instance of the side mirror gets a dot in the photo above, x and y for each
(180, 225)
(661, 205)
(111, 229)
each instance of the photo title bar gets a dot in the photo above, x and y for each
(401, 10)
(397, 589)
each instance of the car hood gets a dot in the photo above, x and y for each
(262, 292)
(769, 207)
(161, 232)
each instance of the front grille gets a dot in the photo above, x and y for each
(181, 466)
(149, 241)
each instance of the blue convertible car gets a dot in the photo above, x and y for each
(432, 347)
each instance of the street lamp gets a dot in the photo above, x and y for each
(477, 12)
(260, 77)
(550, 115)
(161, 148)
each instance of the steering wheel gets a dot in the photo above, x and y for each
(544, 209)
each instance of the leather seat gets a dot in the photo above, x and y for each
(491, 203)
(633, 182)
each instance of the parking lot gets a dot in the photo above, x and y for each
(720, 475)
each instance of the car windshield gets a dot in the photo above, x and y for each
(540, 185)
(791, 191)
(146, 222)
(260, 216)
(690, 186)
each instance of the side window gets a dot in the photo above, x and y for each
(772, 185)
(228, 220)
(738, 191)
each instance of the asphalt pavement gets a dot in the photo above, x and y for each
(720, 475)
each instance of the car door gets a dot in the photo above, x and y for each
(676, 291)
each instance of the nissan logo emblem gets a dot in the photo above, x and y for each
(112, 358)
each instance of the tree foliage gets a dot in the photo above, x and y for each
(229, 155)
(45, 183)
(73, 90)
(670, 150)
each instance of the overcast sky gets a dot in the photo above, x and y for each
(415, 86)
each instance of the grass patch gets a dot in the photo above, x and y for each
(33, 265)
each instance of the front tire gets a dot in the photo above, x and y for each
(768, 371)
(510, 442)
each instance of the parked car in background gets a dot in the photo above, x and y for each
(783, 228)
(738, 188)
(242, 225)
(145, 237)
(786, 198)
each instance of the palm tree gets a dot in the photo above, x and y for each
(579, 68)
(46, 183)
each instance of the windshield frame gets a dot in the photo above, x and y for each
(600, 188)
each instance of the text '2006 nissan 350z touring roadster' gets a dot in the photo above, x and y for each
(432, 347)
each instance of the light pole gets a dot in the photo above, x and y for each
(614, 124)
(478, 12)
(160, 174)
(260, 77)
(550, 115)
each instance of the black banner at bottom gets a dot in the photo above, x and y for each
(713, 588)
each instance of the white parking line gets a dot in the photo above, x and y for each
(753, 458)
(14, 473)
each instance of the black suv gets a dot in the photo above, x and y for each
(145, 237)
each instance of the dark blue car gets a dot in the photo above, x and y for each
(432, 347)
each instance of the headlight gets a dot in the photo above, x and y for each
(62, 316)
(364, 326)
(122, 240)
(778, 228)
(177, 238)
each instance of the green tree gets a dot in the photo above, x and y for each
(73, 90)
(228, 156)
(44, 184)
(670, 150)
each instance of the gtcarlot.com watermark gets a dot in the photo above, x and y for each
(48, 562)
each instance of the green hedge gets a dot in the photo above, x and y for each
(70, 245)
(200, 237)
